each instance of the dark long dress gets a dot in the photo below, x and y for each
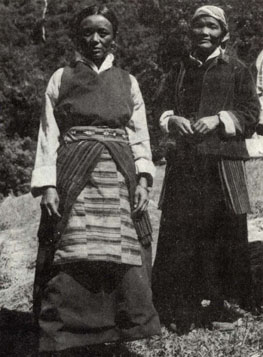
(93, 279)
(202, 251)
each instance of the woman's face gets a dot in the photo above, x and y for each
(206, 34)
(95, 38)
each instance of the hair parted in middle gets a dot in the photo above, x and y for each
(93, 10)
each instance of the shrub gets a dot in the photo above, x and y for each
(152, 33)
(16, 162)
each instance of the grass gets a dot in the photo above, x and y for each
(247, 338)
(255, 184)
(19, 219)
(245, 341)
(19, 211)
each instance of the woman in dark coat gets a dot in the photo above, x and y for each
(94, 170)
(209, 107)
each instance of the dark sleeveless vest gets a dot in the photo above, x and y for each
(96, 99)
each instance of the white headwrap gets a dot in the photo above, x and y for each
(215, 12)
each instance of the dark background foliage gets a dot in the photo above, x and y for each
(152, 34)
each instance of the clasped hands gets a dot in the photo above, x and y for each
(201, 127)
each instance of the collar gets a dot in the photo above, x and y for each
(259, 61)
(219, 54)
(106, 64)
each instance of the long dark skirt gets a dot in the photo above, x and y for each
(82, 304)
(202, 251)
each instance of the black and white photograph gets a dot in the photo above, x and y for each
(131, 178)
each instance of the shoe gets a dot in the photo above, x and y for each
(173, 327)
(184, 320)
(223, 326)
(234, 309)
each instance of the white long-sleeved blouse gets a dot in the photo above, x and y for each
(44, 173)
(259, 65)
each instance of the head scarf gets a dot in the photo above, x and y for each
(215, 12)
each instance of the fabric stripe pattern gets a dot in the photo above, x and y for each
(233, 176)
(99, 226)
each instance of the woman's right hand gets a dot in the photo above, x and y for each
(180, 125)
(50, 202)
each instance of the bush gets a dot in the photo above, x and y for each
(16, 162)
(152, 34)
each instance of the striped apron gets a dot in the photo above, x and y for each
(93, 277)
(99, 226)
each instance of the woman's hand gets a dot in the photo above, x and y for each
(206, 125)
(141, 198)
(50, 202)
(180, 125)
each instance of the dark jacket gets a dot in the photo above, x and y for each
(227, 85)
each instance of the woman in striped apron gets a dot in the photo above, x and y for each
(94, 171)
(208, 105)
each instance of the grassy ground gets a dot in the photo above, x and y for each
(246, 340)
(19, 219)
(255, 184)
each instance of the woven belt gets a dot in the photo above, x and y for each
(95, 133)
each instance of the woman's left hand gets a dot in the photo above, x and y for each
(206, 125)
(141, 198)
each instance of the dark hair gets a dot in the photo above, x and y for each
(94, 10)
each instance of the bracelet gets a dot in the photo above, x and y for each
(148, 177)
(148, 189)
(44, 188)
(219, 118)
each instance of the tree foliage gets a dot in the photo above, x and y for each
(16, 160)
(152, 33)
